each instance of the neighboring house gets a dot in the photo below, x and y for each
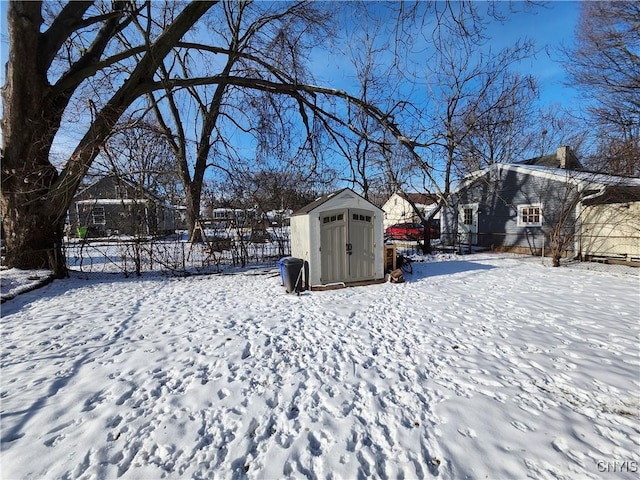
(232, 216)
(541, 204)
(610, 224)
(278, 217)
(180, 217)
(113, 206)
(398, 209)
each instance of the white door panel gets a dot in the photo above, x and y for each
(468, 223)
(361, 261)
(333, 252)
(346, 246)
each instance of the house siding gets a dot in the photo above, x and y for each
(611, 230)
(125, 211)
(118, 219)
(498, 194)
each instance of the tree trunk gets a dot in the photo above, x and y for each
(192, 194)
(34, 239)
(34, 197)
(33, 232)
(426, 241)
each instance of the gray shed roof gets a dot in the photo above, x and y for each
(320, 201)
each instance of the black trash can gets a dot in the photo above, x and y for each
(292, 274)
(281, 267)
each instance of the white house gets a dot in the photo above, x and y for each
(340, 238)
(398, 209)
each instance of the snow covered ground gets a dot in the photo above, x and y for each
(482, 366)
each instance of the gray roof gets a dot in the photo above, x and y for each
(319, 201)
(554, 160)
(584, 180)
(118, 179)
(316, 203)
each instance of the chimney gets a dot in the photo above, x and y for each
(563, 156)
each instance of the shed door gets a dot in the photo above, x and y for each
(346, 246)
(333, 251)
(468, 223)
(361, 257)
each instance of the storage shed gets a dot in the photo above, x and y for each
(340, 237)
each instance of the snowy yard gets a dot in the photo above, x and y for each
(482, 366)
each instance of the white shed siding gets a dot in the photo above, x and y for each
(314, 245)
(300, 246)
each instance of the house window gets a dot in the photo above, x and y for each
(467, 216)
(97, 216)
(529, 215)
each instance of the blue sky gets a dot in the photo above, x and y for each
(548, 26)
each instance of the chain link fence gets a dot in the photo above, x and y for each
(177, 256)
(171, 256)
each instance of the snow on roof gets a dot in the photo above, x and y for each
(581, 178)
(111, 201)
(577, 176)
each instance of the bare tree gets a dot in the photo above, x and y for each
(377, 74)
(553, 126)
(56, 64)
(469, 91)
(138, 153)
(561, 219)
(605, 64)
(251, 42)
(276, 189)
(102, 60)
(499, 125)
(458, 97)
(93, 60)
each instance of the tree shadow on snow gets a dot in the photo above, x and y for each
(49, 287)
(57, 383)
(431, 269)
